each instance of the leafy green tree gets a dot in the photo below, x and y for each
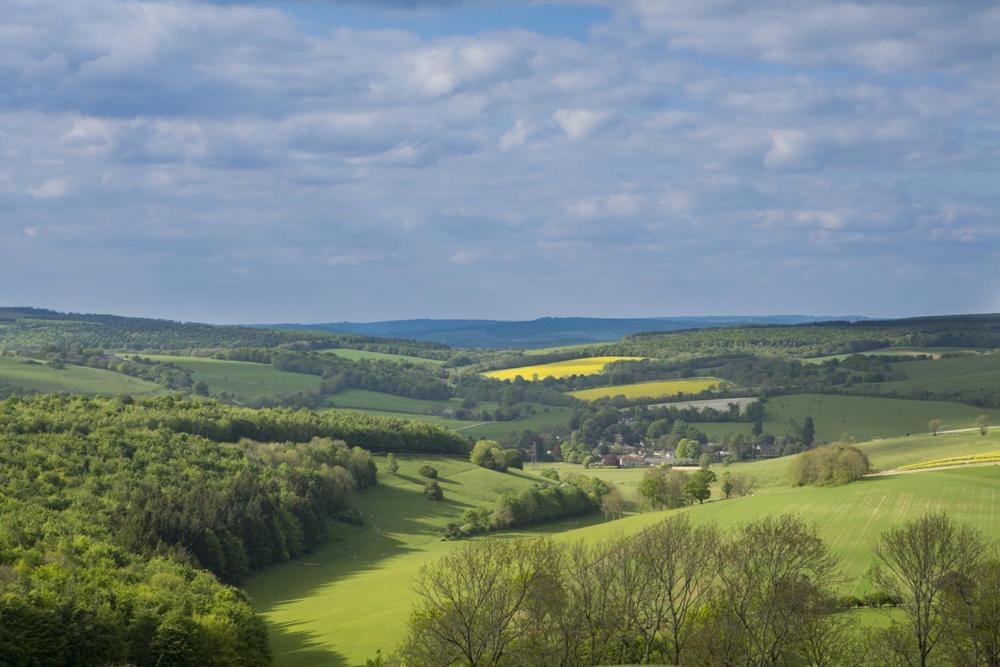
(983, 423)
(489, 454)
(699, 485)
(808, 432)
(391, 464)
(428, 471)
(934, 426)
(432, 491)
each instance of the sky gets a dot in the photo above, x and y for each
(322, 161)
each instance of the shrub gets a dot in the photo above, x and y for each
(428, 471)
(489, 454)
(551, 474)
(833, 464)
(432, 490)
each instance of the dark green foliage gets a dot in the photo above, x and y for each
(428, 471)
(122, 517)
(38, 328)
(833, 464)
(548, 473)
(432, 491)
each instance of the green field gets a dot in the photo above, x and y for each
(355, 355)
(18, 372)
(980, 371)
(353, 596)
(657, 389)
(546, 418)
(860, 417)
(362, 399)
(243, 379)
(459, 425)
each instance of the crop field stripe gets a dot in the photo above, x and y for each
(558, 369)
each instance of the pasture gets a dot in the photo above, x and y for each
(860, 417)
(934, 352)
(558, 369)
(657, 389)
(356, 355)
(243, 379)
(979, 371)
(32, 376)
(362, 399)
(354, 596)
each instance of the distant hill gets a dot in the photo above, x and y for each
(543, 332)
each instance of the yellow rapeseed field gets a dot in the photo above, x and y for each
(988, 457)
(559, 369)
(660, 389)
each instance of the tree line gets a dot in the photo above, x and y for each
(763, 594)
(124, 522)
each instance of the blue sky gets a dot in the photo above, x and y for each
(317, 161)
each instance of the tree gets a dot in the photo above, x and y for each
(679, 562)
(983, 421)
(833, 464)
(200, 388)
(432, 491)
(917, 562)
(613, 504)
(727, 484)
(699, 485)
(934, 426)
(663, 487)
(758, 429)
(486, 603)
(391, 464)
(705, 460)
(776, 581)
(972, 603)
(428, 471)
(489, 454)
(808, 432)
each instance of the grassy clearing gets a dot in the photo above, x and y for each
(355, 355)
(243, 379)
(860, 417)
(342, 603)
(658, 389)
(558, 369)
(19, 372)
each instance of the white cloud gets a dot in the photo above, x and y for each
(578, 123)
(54, 188)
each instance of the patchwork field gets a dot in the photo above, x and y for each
(354, 355)
(243, 379)
(862, 418)
(354, 596)
(20, 372)
(658, 389)
(558, 369)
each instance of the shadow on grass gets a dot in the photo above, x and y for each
(291, 647)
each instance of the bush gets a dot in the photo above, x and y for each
(489, 454)
(432, 490)
(550, 474)
(428, 471)
(833, 464)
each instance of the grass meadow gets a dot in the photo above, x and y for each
(352, 597)
(355, 355)
(860, 417)
(243, 379)
(20, 372)
(558, 369)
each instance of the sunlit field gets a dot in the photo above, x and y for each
(558, 369)
(658, 389)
